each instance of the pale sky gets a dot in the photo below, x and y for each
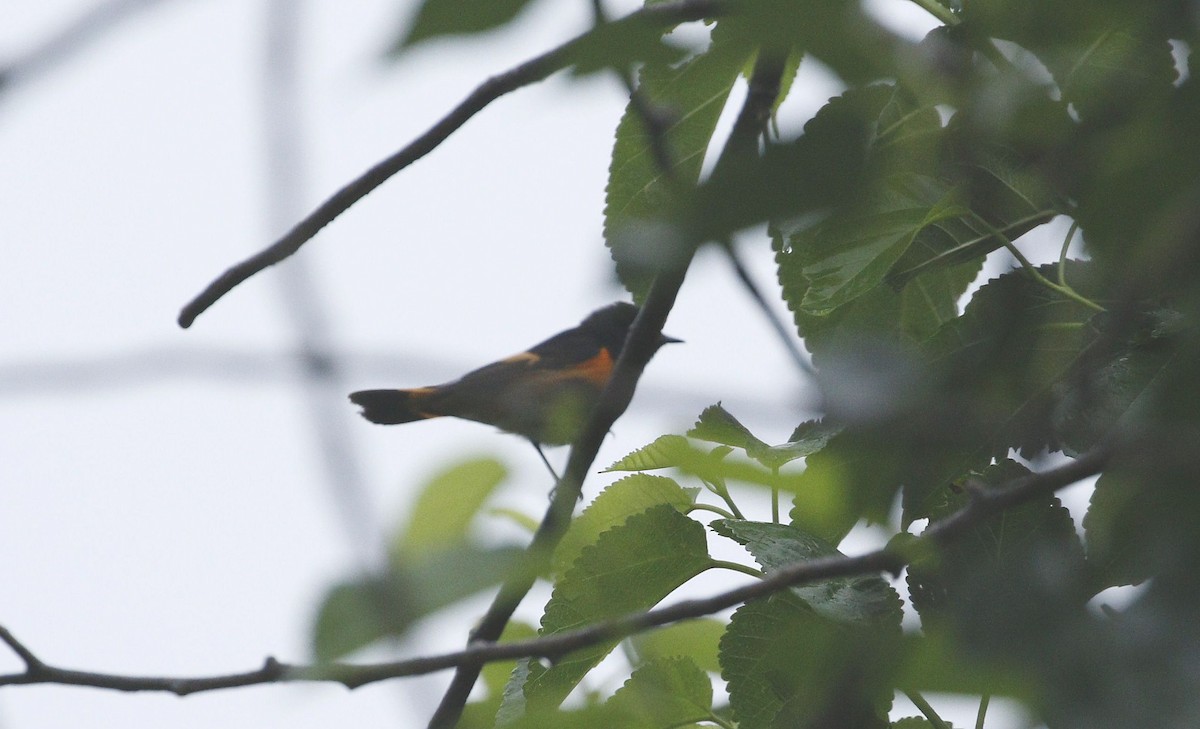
(166, 506)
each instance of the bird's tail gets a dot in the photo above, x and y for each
(392, 407)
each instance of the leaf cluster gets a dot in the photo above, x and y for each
(880, 217)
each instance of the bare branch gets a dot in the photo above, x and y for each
(31, 661)
(640, 346)
(527, 73)
(987, 504)
(751, 124)
(786, 335)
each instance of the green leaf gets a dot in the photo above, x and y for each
(1038, 534)
(358, 613)
(1115, 389)
(831, 267)
(791, 67)
(857, 476)
(614, 506)
(895, 261)
(717, 425)
(481, 714)
(631, 567)
(589, 717)
(1116, 515)
(663, 693)
(1111, 67)
(351, 616)
(439, 18)
(864, 600)
(911, 314)
(799, 180)
(785, 666)
(691, 95)
(993, 379)
(1002, 368)
(667, 451)
(937, 660)
(513, 705)
(446, 506)
(1014, 343)
(847, 256)
(674, 451)
(696, 640)
(913, 722)
(993, 185)
(811, 436)
(621, 44)
(1141, 522)
(1138, 142)
(520, 518)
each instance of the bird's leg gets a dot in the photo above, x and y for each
(537, 447)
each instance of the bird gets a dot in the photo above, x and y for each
(544, 394)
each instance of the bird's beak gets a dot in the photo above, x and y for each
(664, 339)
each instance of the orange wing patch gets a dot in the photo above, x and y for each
(596, 370)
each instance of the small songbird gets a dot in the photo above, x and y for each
(544, 394)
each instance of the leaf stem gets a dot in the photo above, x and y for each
(775, 495)
(951, 19)
(719, 721)
(1062, 254)
(901, 278)
(983, 707)
(719, 488)
(736, 567)
(926, 709)
(939, 11)
(709, 507)
(1061, 289)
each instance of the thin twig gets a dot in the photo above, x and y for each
(32, 662)
(750, 126)
(888, 559)
(786, 335)
(525, 74)
(640, 346)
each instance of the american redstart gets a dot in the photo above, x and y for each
(544, 394)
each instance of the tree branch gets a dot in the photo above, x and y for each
(889, 559)
(525, 74)
(640, 346)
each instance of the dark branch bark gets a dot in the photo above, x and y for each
(985, 504)
(641, 345)
(530, 72)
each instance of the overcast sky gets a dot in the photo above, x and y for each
(167, 502)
